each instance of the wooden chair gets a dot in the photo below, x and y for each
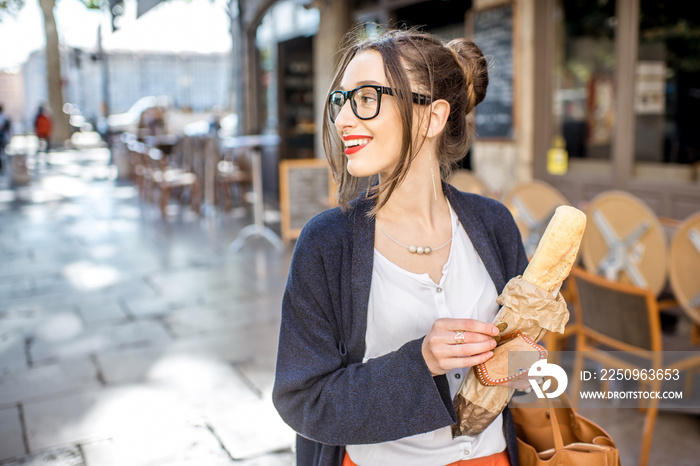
(233, 178)
(684, 269)
(469, 182)
(160, 181)
(619, 319)
(624, 241)
(141, 168)
(171, 181)
(532, 205)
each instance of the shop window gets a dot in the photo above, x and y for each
(296, 98)
(667, 92)
(584, 85)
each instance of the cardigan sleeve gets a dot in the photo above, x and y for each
(326, 399)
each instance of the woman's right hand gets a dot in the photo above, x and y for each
(442, 351)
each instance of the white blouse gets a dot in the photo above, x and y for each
(402, 307)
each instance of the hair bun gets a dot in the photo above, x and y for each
(474, 69)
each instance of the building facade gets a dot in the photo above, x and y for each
(613, 82)
(197, 82)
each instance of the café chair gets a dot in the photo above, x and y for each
(619, 327)
(468, 182)
(159, 181)
(171, 181)
(532, 205)
(233, 178)
(625, 241)
(684, 270)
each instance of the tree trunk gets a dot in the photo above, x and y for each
(54, 79)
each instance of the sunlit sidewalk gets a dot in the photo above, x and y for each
(127, 339)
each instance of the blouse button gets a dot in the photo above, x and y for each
(438, 289)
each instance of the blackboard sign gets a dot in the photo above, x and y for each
(493, 33)
(306, 189)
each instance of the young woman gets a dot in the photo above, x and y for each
(390, 297)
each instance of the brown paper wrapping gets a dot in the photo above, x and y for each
(525, 307)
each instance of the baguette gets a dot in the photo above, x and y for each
(528, 306)
(557, 249)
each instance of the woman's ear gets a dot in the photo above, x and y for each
(439, 112)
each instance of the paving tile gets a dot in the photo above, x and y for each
(61, 288)
(275, 459)
(11, 443)
(228, 294)
(108, 311)
(224, 316)
(259, 372)
(27, 267)
(12, 348)
(31, 305)
(45, 381)
(201, 281)
(90, 341)
(223, 387)
(10, 283)
(131, 365)
(202, 319)
(138, 306)
(128, 287)
(86, 275)
(251, 429)
(258, 341)
(69, 456)
(675, 435)
(185, 446)
(186, 372)
(123, 412)
(61, 325)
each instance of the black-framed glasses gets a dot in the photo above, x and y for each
(365, 101)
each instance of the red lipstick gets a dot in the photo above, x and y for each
(349, 150)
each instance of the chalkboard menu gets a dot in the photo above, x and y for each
(306, 189)
(493, 33)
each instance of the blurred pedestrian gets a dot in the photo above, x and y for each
(43, 126)
(215, 121)
(390, 297)
(5, 134)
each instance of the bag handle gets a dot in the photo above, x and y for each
(556, 429)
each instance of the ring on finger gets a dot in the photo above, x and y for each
(459, 337)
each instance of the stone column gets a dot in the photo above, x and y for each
(334, 23)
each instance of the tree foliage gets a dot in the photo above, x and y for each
(10, 7)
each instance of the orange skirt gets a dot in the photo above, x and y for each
(497, 459)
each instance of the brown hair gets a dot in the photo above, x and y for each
(456, 72)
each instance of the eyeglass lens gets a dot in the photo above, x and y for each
(363, 100)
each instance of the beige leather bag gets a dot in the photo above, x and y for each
(558, 436)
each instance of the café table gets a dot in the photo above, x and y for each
(255, 143)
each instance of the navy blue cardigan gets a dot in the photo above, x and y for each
(322, 388)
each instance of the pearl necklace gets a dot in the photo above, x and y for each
(413, 249)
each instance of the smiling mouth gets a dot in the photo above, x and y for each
(354, 145)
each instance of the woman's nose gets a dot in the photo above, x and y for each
(346, 118)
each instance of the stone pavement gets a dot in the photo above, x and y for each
(129, 340)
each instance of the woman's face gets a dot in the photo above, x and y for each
(371, 146)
